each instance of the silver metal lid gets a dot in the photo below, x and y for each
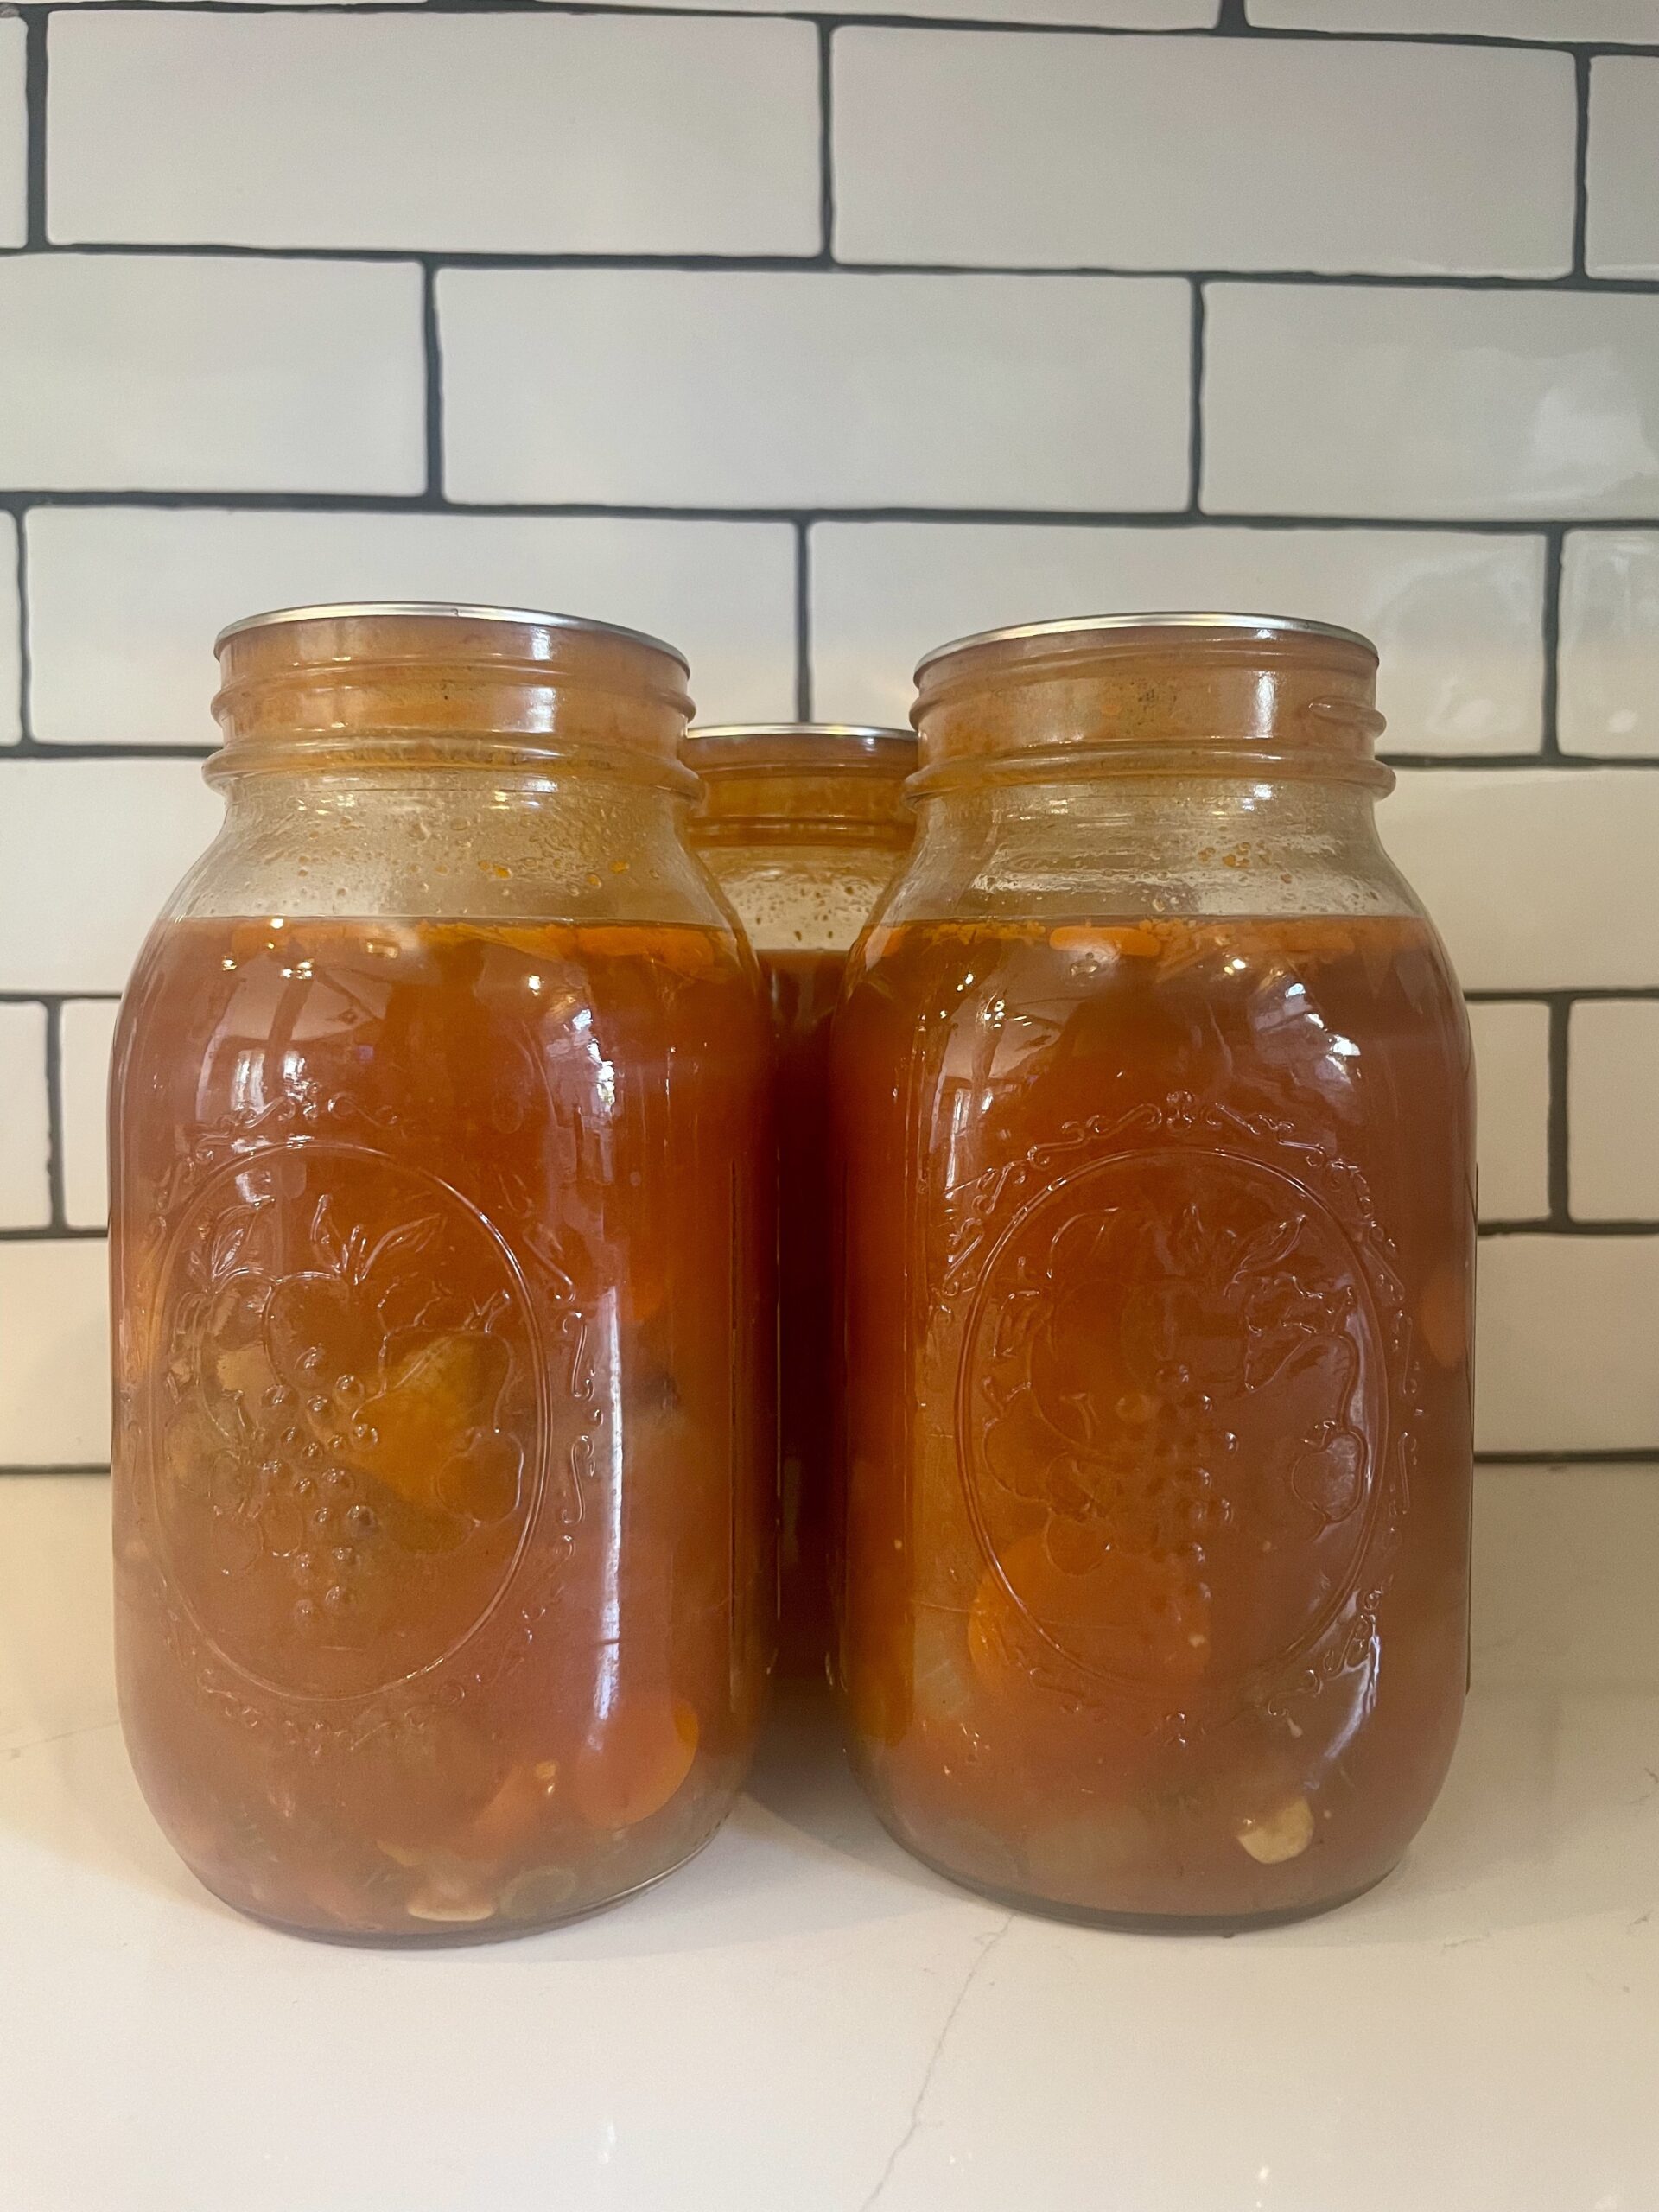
(871, 732)
(1262, 625)
(370, 609)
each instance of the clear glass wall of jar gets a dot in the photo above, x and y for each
(1154, 1092)
(802, 826)
(443, 1277)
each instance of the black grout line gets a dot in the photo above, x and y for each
(1599, 993)
(58, 998)
(826, 145)
(34, 752)
(432, 352)
(802, 622)
(58, 1234)
(35, 24)
(54, 1180)
(1230, 22)
(1557, 1140)
(78, 1467)
(820, 264)
(1557, 1229)
(1624, 1456)
(243, 500)
(1195, 403)
(1580, 161)
(1539, 758)
(1554, 540)
(25, 655)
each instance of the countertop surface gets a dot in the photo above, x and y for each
(804, 2020)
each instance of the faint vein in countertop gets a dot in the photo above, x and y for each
(915, 2121)
(10, 1751)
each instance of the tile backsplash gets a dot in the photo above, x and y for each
(809, 340)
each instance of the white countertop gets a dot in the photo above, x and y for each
(805, 2021)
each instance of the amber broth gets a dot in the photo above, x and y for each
(446, 1257)
(803, 988)
(1159, 1246)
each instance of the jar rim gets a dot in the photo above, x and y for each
(438, 609)
(1263, 626)
(865, 732)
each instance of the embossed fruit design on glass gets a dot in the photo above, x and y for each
(443, 1273)
(1153, 1088)
(802, 826)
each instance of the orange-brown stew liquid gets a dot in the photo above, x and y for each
(1158, 1273)
(444, 1253)
(803, 988)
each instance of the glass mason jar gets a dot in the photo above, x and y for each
(1153, 1089)
(802, 826)
(442, 1280)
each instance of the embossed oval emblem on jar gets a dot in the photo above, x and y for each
(347, 1418)
(1172, 1407)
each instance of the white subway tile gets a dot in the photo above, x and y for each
(601, 134)
(1028, 150)
(1388, 400)
(1609, 700)
(1612, 1116)
(1512, 1086)
(14, 133)
(87, 1028)
(1632, 22)
(55, 1360)
(1563, 1561)
(1457, 618)
(1539, 879)
(25, 1192)
(10, 635)
(1622, 237)
(122, 372)
(742, 388)
(89, 850)
(1565, 1345)
(125, 602)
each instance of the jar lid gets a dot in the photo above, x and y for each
(1263, 626)
(864, 736)
(430, 610)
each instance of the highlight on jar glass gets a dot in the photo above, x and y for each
(802, 824)
(443, 1261)
(1154, 1090)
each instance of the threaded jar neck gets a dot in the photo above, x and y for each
(1152, 695)
(824, 780)
(436, 685)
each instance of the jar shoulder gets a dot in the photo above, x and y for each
(1081, 851)
(458, 847)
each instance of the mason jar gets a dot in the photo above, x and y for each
(442, 1283)
(802, 826)
(1153, 1100)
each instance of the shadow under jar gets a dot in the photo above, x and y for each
(802, 826)
(442, 1284)
(1153, 1092)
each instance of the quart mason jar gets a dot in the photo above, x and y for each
(1154, 1090)
(442, 1278)
(802, 826)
